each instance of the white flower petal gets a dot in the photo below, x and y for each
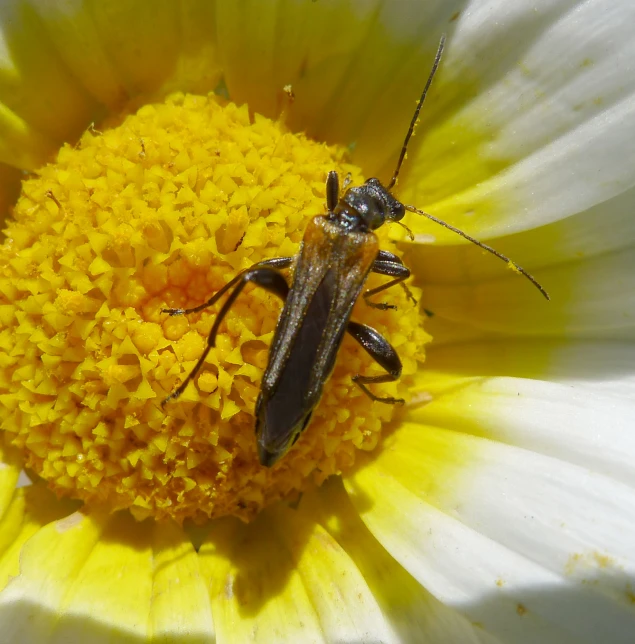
(21, 145)
(9, 189)
(606, 227)
(535, 548)
(458, 565)
(141, 40)
(265, 46)
(606, 368)
(531, 118)
(101, 578)
(9, 473)
(241, 569)
(31, 600)
(562, 421)
(415, 614)
(10, 529)
(62, 63)
(592, 298)
(41, 103)
(178, 51)
(71, 28)
(285, 579)
(355, 67)
(180, 610)
(198, 68)
(108, 592)
(372, 104)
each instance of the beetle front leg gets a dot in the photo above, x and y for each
(381, 351)
(264, 276)
(274, 262)
(388, 264)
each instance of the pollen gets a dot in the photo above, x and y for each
(160, 208)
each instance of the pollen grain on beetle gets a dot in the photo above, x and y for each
(160, 210)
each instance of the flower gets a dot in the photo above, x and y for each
(500, 505)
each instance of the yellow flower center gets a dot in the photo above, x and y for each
(162, 209)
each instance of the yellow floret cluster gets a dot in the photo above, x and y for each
(162, 210)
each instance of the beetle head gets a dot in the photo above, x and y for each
(372, 203)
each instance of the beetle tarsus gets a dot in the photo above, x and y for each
(382, 306)
(388, 400)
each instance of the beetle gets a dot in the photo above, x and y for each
(338, 251)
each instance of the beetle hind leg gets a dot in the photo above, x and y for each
(380, 350)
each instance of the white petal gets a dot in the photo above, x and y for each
(606, 227)
(415, 614)
(10, 178)
(72, 30)
(108, 593)
(606, 368)
(531, 117)
(534, 548)
(41, 103)
(283, 578)
(355, 67)
(10, 467)
(592, 298)
(102, 46)
(140, 40)
(30, 601)
(458, 565)
(180, 610)
(98, 579)
(373, 101)
(198, 68)
(266, 46)
(561, 421)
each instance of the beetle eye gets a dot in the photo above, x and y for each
(397, 211)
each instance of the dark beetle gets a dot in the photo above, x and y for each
(337, 253)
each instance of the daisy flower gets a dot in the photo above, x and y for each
(149, 151)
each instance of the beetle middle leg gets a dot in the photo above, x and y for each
(380, 350)
(264, 276)
(388, 264)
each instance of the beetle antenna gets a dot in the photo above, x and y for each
(489, 249)
(413, 122)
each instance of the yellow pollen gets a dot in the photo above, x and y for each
(162, 209)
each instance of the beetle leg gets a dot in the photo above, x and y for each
(263, 276)
(387, 256)
(380, 350)
(275, 262)
(388, 264)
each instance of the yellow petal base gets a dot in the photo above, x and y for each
(162, 209)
